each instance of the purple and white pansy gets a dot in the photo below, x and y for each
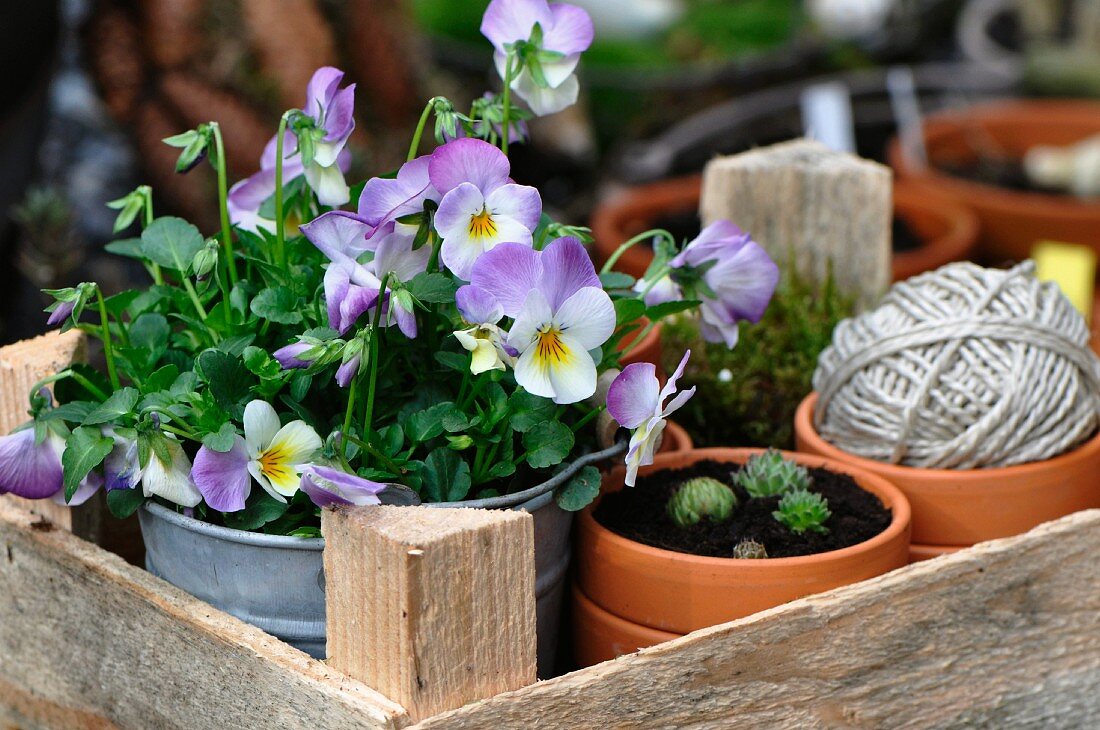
(481, 207)
(560, 314)
(328, 486)
(484, 339)
(387, 199)
(331, 108)
(738, 273)
(637, 401)
(556, 34)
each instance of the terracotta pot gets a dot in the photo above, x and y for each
(949, 230)
(918, 552)
(953, 508)
(676, 439)
(645, 594)
(635, 210)
(1011, 220)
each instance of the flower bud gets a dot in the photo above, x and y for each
(206, 258)
(701, 497)
(460, 443)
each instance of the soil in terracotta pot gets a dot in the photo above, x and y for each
(639, 514)
(685, 226)
(1002, 172)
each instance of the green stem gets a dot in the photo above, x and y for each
(637, 341)
(223, 205)
(194, 295)
(661, 273)
(158, 278)
(387, 461)
(179, 432)
(372, 382)
(108, 348)
(625, 246)
(352, 390)
(414, 147)
(280, 234)
(506, 102)
(586, 418)
(84, 382)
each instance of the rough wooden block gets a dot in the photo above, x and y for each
(1005, 634)
(87, 641)
(22, 364)
(812, 207)
(432, 607)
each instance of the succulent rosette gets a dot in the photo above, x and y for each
(440, 338)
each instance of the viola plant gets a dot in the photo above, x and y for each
(431, 331)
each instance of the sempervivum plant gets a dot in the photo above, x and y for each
(769, 474)
(431, 328)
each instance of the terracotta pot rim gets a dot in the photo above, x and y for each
(658, 636)
(947, 123)
(948, 480)
(892, 498)
(956, 243)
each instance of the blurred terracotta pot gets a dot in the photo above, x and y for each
(948, 231)
(1011, 220)
(629, 595)
(957, 508)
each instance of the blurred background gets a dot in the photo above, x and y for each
(92, 87)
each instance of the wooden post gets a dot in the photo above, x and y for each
(22, 364)
(434, 608)
(810, 206)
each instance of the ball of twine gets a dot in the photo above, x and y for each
(961, 368)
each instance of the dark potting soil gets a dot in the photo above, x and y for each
(1002, 172)
(685, 226)
(638, 513)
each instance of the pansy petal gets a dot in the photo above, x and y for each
(395, 254)
(389, 198)
(567, 268)
(677, 403)
(544, 101)
(468, 161)
(572, 373)
(28, 470)
(508, 230)
(670, 384)
(588, 316)
(254, 470)
(534, 313)
(460, 252)
(321, 88)
(327, 486)
(296, 442)
(457, 209)
(261, 423)
(223, 478)
(509, 272)
(570, 31)
(520, 202)
(633, 395)
(532, 376)
(172, 480)
(507, 21)
(338, 234)
(87, 488)
(477, 305)
(339, 123)
(745, 282)
(328, 183)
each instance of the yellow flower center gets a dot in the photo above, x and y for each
(550, 347)
(482, 225)
(273, 464)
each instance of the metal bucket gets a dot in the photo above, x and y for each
(277, 583)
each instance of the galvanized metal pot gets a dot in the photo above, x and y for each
(277, 583)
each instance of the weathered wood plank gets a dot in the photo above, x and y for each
(1006, 634)
(88, 641)
(810, 206)
(432, 607)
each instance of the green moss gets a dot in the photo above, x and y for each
(769, 371)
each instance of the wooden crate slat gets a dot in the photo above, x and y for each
(1006, 634)
(88, 641)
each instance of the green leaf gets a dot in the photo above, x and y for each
(616, 280)
(278, 304)
(300, 383)
(69, 389)
(227, 377)
(547, 443)
(120, 403)
(428, 423)
(171, 242)
(129, 247)
(433, 288)
(578, 492)
(119, 303)
(502, 469)
(73, 412)
(85, 449)
(446, 476)
(260, 509)
(124, 502)
(660, 311)
(529, 409)
(453, 360)
(162, 379)
(222, 440)
(257, 360)
(628, 310)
